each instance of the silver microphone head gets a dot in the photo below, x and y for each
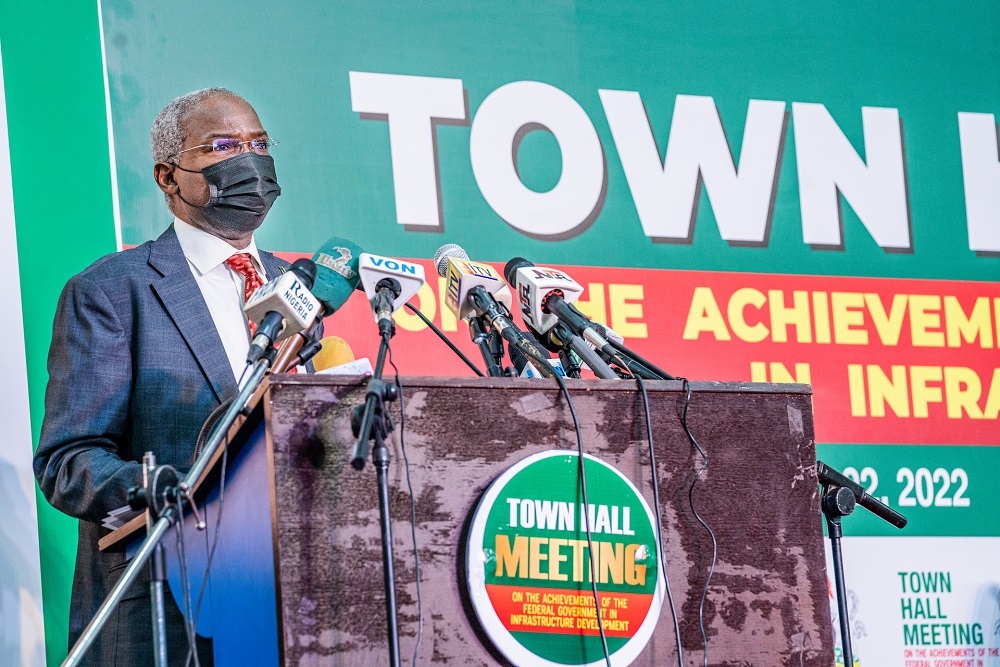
(446, 252)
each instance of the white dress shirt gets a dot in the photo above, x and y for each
(221, 286)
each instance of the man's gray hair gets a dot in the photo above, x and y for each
(167, 137)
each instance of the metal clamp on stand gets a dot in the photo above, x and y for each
(487, 341)
(158, 491)
(371, 422)
(840, 496)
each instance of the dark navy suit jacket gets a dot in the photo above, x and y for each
(135, 365)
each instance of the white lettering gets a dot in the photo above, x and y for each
(410, 104)
(828, 166)
(666, 193)
(504, 117)
(512, 503)
(981, 172)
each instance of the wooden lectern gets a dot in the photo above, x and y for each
(296, 576)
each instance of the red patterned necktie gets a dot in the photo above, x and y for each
(242, 264)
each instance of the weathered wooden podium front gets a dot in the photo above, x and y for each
(768, 603)
(296, 575)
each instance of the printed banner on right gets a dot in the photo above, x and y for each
(922, 601)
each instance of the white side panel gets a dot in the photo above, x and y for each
(22, 633)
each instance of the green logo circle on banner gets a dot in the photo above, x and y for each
(529, 564)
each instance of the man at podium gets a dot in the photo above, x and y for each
(147, 342)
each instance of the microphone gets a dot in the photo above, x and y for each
(546, 296)
(463, 276)
(337, 263)
(528, 368)
(473, 289)
(282, 307)
(388, 284)
(337, 358)
(543, 291)
(828, 475)
(534, 284)
(334, 351)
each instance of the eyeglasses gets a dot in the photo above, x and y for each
(227, 147)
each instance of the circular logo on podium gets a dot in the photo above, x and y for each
(529, 563)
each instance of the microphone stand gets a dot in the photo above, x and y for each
(371, 422)
(496, 347)
(484, 340)
(570, 363)
(840, 496)
(584, 351)
(173, 494)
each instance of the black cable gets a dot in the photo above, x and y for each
(630, 366)
(206, 427)
(189, 626)
(645, 362)
(202, 436)
(218, 526)
(214, 543)
(659, 518)
(442, 336)
(413, 511)
(586, 508)
(715, 546)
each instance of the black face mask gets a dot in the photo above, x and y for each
(241, 191)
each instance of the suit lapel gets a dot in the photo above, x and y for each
(273, 266)
(182, 299)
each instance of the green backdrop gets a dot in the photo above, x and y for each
(930, 61)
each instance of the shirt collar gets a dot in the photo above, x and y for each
(206, 252)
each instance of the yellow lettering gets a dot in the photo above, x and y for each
(845, 316)
(993, 399)
(996, 317)
(594, 307)
(635, 574)
(704, 315)
(536, 558)
(741, 298)
(624, 311)
(962, 389)
(555, 558)
(958, 327)
(925, 314)
(821, 314)
(888, 326)
(881, 390)
(796, 316)
(578, 547)
(780, 374)
(856, 383)
(923, 394)
(612, 562)
(512, 560)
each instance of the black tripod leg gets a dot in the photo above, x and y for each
(838, 502)
(381, 459)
